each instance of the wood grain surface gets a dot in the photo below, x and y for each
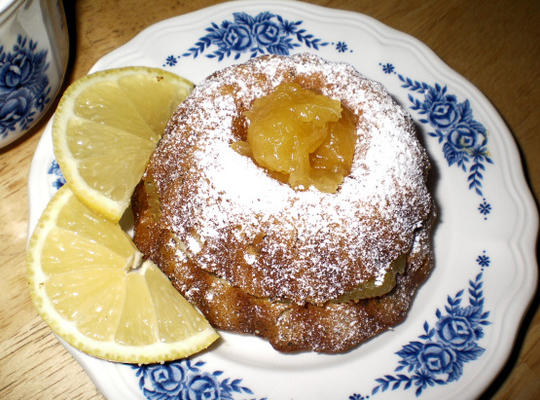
(492, 43)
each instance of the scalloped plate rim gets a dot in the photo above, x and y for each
(523, 244)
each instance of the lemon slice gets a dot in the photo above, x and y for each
(106, 127)
(89, 283)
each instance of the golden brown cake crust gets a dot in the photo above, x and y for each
(331, 328)
(259, 257)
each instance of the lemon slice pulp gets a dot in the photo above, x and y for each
(106, 127)
(89, 283)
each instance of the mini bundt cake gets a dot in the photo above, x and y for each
(287, 198)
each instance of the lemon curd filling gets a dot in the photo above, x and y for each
(301, 137)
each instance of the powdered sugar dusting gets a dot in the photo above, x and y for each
(260, 234)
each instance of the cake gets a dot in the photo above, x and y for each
(309, 266)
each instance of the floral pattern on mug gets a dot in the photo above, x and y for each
(24, 85)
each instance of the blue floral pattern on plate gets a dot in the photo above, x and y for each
(438, 357)
(464, 140)
(56, 174)
(265, 33)
(184, 380)
(24, 85)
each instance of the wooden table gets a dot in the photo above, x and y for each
(493, 43)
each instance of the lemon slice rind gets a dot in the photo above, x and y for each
(68, 111)
(157, 350)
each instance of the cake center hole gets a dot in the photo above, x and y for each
(301, 137)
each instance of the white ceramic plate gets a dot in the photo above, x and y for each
(463, 322)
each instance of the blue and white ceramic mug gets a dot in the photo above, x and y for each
(34, 49)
